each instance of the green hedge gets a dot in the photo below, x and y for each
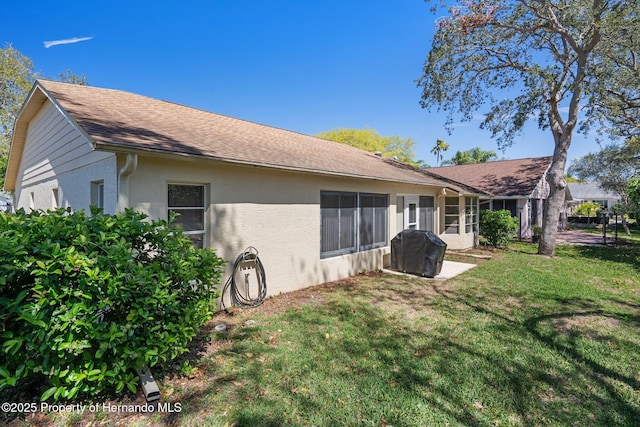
(86, 300)
(498, 227)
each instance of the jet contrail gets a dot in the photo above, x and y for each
(66, 41)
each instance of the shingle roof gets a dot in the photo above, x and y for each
(115, 119)
(504, 178)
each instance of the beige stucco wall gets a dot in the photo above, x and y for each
(277, 212)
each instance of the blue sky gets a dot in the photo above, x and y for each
(306, 66)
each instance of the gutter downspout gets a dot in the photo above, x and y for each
(130, 165)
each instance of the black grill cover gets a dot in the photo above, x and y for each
(417, 252)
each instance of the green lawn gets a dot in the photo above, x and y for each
(520, 340)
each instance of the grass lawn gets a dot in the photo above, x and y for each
(520, 340)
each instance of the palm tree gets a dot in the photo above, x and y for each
(474, 155)
(438, 149)
(482, 156)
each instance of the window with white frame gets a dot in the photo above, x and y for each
(471, 214)
(97, 194)
(352, 222)
(188, 202)
(451, 215)
(55, 198)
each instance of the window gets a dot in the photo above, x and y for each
(55, 198)
(97, 194)
(427, 205)
(451, 215)
(413, 215)
(338, 216)
(373, 221)
(506, 204)
(352, 222)
(471, 214)
(188, 202)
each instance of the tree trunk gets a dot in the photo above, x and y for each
(555, 201)
(625, 226)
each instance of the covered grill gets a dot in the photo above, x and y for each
(417, 252)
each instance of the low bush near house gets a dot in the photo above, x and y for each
(86, 300)
(498, 227)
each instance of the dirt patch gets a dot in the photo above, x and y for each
(477, 255)
(590, 325)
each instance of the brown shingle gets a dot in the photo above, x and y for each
(504, 178)
(116, 119)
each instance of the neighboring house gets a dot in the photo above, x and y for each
(518, 186)
(316, 210)
(583, 192)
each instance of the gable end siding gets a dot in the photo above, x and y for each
(57, 155)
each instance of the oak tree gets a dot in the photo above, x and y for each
(523, 59)
(612, 168)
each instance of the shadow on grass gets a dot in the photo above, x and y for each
(629, 254)
(599, 380)
(409, 352)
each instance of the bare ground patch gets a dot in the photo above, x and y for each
(588, 325)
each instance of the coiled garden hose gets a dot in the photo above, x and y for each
(241, 297)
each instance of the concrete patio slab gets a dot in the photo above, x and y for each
(449, 270)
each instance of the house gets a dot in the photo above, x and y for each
(316, 210)
(518, 186)
(583, 192)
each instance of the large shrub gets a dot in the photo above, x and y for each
(86, 300)
(498, 227)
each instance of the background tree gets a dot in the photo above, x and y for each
(75, 79)
(612, 168)
(524, 58)
(589, 209)
(438, 149)
(17, 75)
(421, 164)
(370, 140)
(474, 155)
(571, 179)
(634, 193)
(615, 91)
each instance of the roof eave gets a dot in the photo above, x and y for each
(462, 188)
(126, 149)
